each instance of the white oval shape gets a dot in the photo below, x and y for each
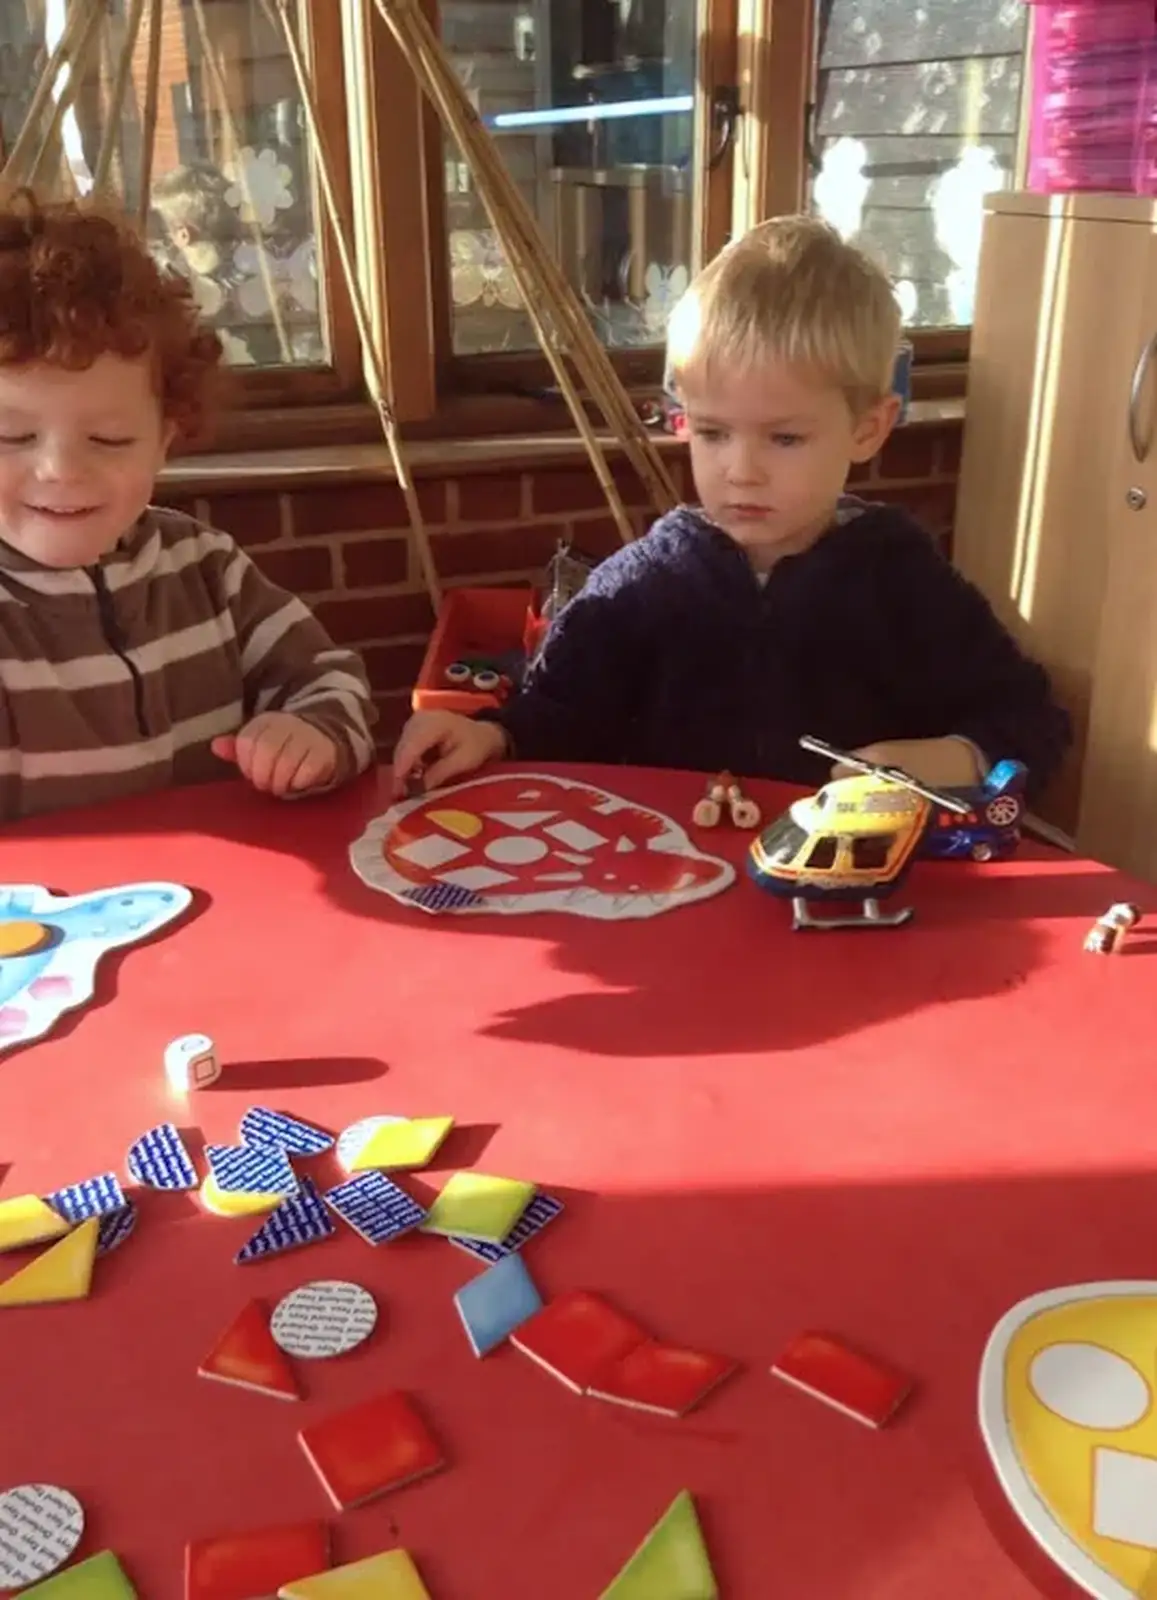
(40, 1527)
(516, 850)
(1089, 1386)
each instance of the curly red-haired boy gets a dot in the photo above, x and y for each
(138, 648)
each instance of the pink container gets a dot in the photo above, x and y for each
(1094, 96)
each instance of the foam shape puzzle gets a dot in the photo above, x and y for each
(51, 946)
(523, 842)
(496, 1302)
(1066, 1401)
(116, 1228)
(251, 1169)
(101, 1577)
(159, 1160)
(831, 1371)
(27, 1219)
(672, 1563)
(370, 1449)
(262, 1126)
(376, 1209)
(94, 1197)
(40, 1527)
(474, 1205)
(247, 1355)
(662, 1377)
(543, 1209)
(191, 1062)
(298, 1221)
(324, 1319)
(577, 1337)
(239, 1204)
(401, 1144)
(63, 1272)
(350, 1140)
(242, 1566)
(390, 1576)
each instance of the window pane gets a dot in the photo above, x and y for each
(917, 110)
(611, 186)
(233, 204)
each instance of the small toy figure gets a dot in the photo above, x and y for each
(1109, 932)
(723, 790)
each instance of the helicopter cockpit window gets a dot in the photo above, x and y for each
(823, 853)
(870, 852)
(782, 842)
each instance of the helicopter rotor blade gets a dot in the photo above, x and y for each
(896, 775)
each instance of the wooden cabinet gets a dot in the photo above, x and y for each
(1057, 518)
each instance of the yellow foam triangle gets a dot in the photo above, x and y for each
(101, 1577)
(62, 1273)
(396, 1146)
(392, 1576)
(27, 1219)
(474, 1205)
(672, 1562)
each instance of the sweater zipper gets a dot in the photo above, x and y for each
(114, 636)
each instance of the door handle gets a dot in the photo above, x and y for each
(1140, 371)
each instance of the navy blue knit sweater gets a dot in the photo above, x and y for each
(675, 655)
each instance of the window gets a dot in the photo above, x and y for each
(916, 116)
(232, 201)
(823, 854)
(870, 851)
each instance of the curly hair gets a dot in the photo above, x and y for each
(77, 282)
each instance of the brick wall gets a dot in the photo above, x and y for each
(344, 547)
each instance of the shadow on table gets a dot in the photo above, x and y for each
(308, 1072)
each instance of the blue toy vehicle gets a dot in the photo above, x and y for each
(990, 828)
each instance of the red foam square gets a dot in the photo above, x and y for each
(856, 1384)
(364, 1452)
(577, 1337)
(662, 1377)
(246, 1355)
(238, 1566)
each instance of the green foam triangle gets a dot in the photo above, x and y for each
(99, 1578)
(672, 1562)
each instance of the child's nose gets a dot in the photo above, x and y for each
(58, 462)
(745, 465)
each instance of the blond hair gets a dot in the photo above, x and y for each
(790, 290)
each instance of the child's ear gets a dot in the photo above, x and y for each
(872, 428)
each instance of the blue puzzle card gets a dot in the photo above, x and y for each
(375, 1207)
(251, 1168)
(300, 1220)
(115, 1229)
(159, 1160)
(495, 1303)
(94, 1197)
(541, 1210)
(262, 1126)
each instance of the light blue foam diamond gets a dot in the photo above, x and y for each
(496, 1302)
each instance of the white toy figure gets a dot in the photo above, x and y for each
(723, 790)
(191, 1063)
(1109, 932)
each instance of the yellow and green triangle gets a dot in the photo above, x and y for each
(672, 1562)
(99, 1578)
(62, 1273)
(392, 1576)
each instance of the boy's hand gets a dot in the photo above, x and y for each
(940, 763)
(445, 745)
(280, 754)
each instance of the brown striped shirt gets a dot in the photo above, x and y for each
(114, 679)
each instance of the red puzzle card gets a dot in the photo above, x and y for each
(371, 1448)
(825, 1367)
(246, 1355)
(662, 1377)
(240, 1566)
(577, 1337)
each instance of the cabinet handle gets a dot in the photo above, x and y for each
(1140, 445)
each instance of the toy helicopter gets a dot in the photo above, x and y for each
(854, 840)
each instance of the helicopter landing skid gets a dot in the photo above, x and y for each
(869, 916)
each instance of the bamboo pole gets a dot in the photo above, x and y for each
(149, 127)
(63, 102)
(374, 353)
(26, 139)
(116, 109)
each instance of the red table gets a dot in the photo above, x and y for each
(893, 1136)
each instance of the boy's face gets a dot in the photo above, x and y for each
(79, 456)
(770, 451)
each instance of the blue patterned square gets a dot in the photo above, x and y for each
(159, 1160)
(375, 1207)
(262, 1126)
(94, 1197)
(443, 897)
(300, 1220)
(115, 1229)
(251, 1168)
(495, 1303)
(541, 1210)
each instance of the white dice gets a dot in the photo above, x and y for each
(191, 1062)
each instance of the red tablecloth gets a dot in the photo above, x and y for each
(892, 1135)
